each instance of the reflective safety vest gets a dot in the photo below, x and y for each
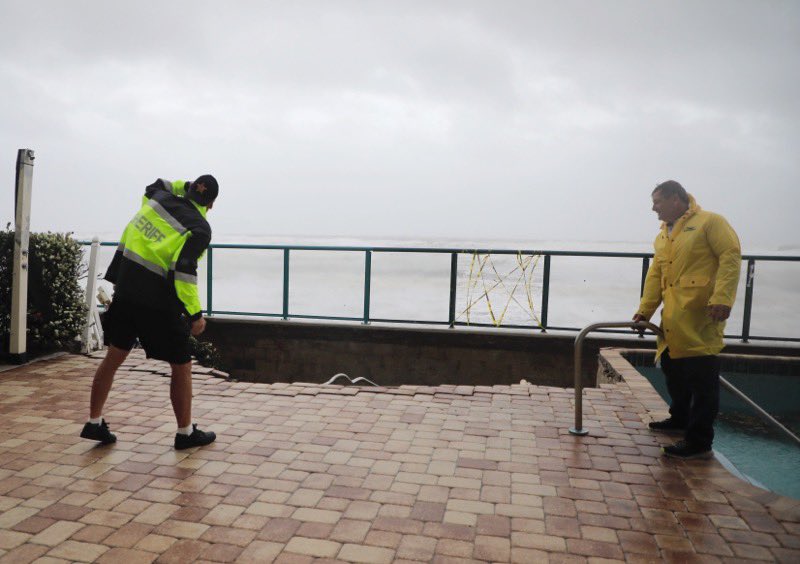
(156, 261)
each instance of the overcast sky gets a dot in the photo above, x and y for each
(478, 121)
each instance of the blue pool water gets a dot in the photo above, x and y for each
(758, 451)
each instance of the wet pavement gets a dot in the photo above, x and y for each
(311, 473)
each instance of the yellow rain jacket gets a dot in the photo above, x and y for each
(695, 265)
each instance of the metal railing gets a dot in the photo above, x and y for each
(757, 408)
(455, 253)
(578, 360)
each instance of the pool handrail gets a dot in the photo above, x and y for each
(640, 325)
(763, 414)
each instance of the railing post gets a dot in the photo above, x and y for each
(748, 299)
(91, 302)
(209, 278)
(545, 291)
(286, 283)
(367, 283)
(645, 268)
(451, 316)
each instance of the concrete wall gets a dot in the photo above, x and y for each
(290, 351)
(293, 351)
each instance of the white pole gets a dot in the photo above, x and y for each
(91, 301)
(19, 284)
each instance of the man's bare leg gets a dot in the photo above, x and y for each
(103, 378)
(96, 429)
(180, 393)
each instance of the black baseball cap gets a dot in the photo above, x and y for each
(204, 190)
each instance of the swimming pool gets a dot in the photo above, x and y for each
(750, 447)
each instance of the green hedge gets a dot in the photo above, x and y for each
(56, 308)
(205, 353)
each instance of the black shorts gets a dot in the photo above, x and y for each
(164, 335)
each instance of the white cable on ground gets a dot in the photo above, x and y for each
(351, 380)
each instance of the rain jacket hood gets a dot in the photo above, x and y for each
(695, 265)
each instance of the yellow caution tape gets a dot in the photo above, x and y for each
(525, 267)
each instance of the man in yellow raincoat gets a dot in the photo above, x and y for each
(694, 273)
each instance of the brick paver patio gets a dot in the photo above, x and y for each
(309, 473)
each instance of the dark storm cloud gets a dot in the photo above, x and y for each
(521, 120)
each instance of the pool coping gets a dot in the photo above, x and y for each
(616, 370)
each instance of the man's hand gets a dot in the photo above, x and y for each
(638, 317)
(718, 312)
(198, 326)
